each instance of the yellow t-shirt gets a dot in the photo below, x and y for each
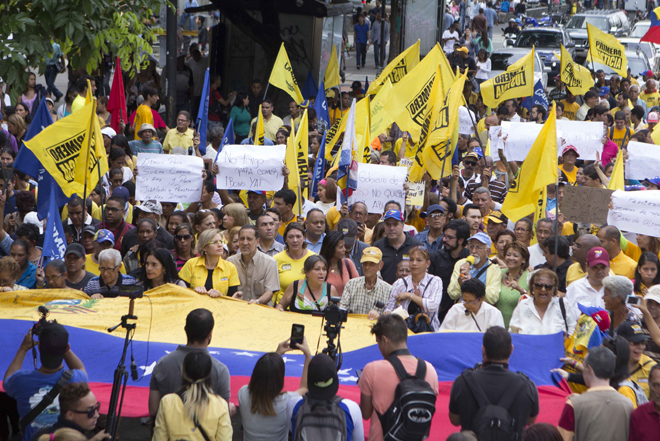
(620, 137)
(572, 176)
(174, 138)
(332, 217)
(194, 272)
(651, 99)
(284, 224)
(641, 376)
(411, 148)
(94, 267)
(143, 115)
(78, 103)
(570, 109)
(289, 271)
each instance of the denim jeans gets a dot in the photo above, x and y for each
(361, 53)
(377, 54)
(51, 75)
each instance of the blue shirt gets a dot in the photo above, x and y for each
(505, 6)
(361, 32)
(449, 19)
(474, 271)
(138, 146)
(29, 277)
(424, 238)
(491, 16)
(57, 53)
(267, 141)
(28, 387)
(317, 246)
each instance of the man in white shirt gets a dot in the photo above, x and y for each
(589, 290)
(472, 313)
(544, 228)
(449, 37)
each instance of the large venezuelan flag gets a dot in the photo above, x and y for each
(241, 335)
(653, 34)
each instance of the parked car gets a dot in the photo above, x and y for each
(649, 49)
(503, 58)
(613, 22)
(546, 41)
(637, 62)
(640, 28)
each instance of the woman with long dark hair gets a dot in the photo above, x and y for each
(311, 293)
(340, 269)
(65, 109)
(121, 142)
(240, 114)
(159, 268)
(184, 244)
(194, 412)
(263, 402)
(647, 273)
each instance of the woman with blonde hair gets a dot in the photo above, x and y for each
(194, 413)
(63, 434)
(16, 126)
(232, 240)
(235, 216)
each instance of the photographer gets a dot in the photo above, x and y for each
(26, 386)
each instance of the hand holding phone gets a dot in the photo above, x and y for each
(633, 300)
(297, 335)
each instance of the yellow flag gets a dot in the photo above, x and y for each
(364, 154)
(516, 82)
(291, 161)
(72, 150)
(539, 212)
(88, 97)
(259, 137)
(333, 134)
(577, 78)
(617, 181)
(655, 134)
(397, 69)
(380, 119)
(282, 76)
(606, 49)
(537, 171)
(302, 153)
(331, 78)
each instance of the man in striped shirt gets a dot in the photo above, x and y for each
(146, 143)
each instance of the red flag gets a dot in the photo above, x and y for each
(117, 101)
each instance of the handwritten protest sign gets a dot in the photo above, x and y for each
(377, 184)
(643, 162)
(465, 125)
(415, 195)
(586, 136)
(246, 167)
(636, 212)
(169, 178)
(586, 204)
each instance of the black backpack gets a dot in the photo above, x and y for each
(409, 416)
(493, 422)
(320, 421)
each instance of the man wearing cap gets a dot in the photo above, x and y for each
(581, 247)
(150, 210)
(323, 385)
(470, 161)
(620, 263)
(604, 93)
(76, 213)
(28, 386)
(435, 218)
(180, 141)
(367, 294)
(256, 201)
(465, 62)
(645, 420)
(115, 207)
(569, 156)
(394, 245)
(146, 143)
(352, 246)
(652, 121)
(483, 269)
(590, 100)
(589, 290)
(74, 259)
(497, 222)
(102, 240)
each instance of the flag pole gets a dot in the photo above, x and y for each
(98, 169)
(89, 150)
(267, 84)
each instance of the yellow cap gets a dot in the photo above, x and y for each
(372, 254)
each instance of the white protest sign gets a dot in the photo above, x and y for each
(416, 193)
(586, 136)
(643, 161)
(519, 140)
(249, 167)
(169, 178)
(636, 212)
(495, 136)
(465, 125)
(377, 184)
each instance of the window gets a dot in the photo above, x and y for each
(540, 39)
(580, 22)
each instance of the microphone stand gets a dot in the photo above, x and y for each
(121, 375)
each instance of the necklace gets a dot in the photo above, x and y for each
(507, 275)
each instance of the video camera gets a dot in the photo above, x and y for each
(334, 317)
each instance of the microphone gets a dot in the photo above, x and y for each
(379, 304)
(134, 372)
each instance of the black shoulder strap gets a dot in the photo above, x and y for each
(46, 400)
(611, 132)
(420, 373)
(197, 426)
(398, 367)
(405, 283)
(477, 392)
(510, 395)
(638, 368)
(481, 271)
(563, 312)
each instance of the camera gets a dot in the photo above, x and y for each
(131, 291)
(37, 327)
(334, 317)
(333, 314)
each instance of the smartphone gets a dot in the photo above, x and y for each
(633, 300)
(297, 334)
(358, 372)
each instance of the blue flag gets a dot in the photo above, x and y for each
(203, 114)
(366, 85)
(309, 88)
(319, 169)
(28, 163)
(54, 240)
(539, 98)
(228, 139)
(321, 105)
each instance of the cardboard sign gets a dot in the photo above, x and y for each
(643, 161)
(636, 212)
(169, 178)
(415, 195)
(377, 184)
(586, 204)
(248, 167)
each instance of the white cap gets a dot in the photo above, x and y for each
(32, 218)
(109, 132)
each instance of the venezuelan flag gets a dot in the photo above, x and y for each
(242, 334)
(653, 34)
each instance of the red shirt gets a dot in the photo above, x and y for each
(118, 233)
(645, 423)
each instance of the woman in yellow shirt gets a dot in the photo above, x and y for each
(647, 273)
(405, 147)
(209, 273)
(291, 261)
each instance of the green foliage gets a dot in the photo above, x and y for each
(85, 29)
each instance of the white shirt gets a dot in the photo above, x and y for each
(484, 70)
(323, 206)
(307, 205)
(526, 319)
(456, 320)
(582, 292)
(535, 255)
(353, 408)
(449, 45)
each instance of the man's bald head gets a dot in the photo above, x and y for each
(582, 246)
(491, 121)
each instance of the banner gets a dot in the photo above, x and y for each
(319, 168)
(244, 167)
(516, 82)
(643, 161)
(576, 78)
(415, 196)
(302, 155)
(377, 184)
(586, 204)
(169, 178)
(606, 49)
(282, 76)
(332, 78)
(636, 212)
(396, 69)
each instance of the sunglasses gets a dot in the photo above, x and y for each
(91, 412)
(470, 163)
(183, 237)
(543, 285)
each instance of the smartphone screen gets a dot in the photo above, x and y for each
(633, 300)
(297, 334)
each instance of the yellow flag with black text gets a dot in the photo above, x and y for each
(606, 49)
(617, 180)
(516, 82)
(259, 137)
(72, 150)
(396, 69)
(282, 76)
(302, 152)
(576, 78)
(539, 170)
(331, 78)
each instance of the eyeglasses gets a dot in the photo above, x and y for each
(521, 230)
(182, 120)
(101, 269)
(448, 237)
(183, 237)
(543, 285)
(111, 209)
(473, 302)
(470, 163)
(214, 242)
(53, 278)
(91, 412)
(436, 215)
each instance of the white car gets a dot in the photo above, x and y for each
(637, 62)
(503, 58)
(651, 50)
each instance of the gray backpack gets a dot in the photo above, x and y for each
(320, 421)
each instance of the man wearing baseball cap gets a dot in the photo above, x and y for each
(569, 156)
(652, 121)
(103, 240)
(497, 222)
(589, 290)
(435, 219)
(256, 201)
(394, 245)
(27, 386)
(362, 294)
(479, 266)
(590, 101)
(74, 259)
(639, 364)
(151, 210)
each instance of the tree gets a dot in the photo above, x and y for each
(85, 30)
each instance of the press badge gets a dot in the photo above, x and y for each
(224, 279)
(286, 267)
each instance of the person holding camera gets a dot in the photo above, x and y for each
(312, 293)
(109, 283)
(27, 386)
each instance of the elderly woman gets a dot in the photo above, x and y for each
(111, 279)
(542, 312)
(310, 294)
(209, 273)
(9, 272)
(616, 289)
(420, 292)
(514, 279)
(204, 220)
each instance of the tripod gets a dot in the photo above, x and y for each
(121, 375)
(332, 331)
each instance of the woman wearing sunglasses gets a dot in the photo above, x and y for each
(543, 312)
(184, 244)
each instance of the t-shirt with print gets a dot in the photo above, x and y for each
(29, 387)
(379, 381)
(620, 137)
